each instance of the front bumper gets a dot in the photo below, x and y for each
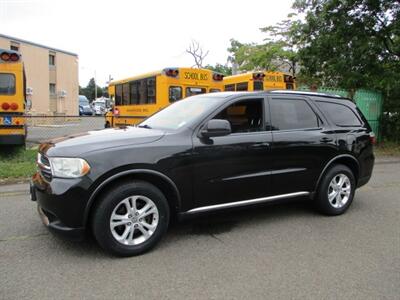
(61, 205)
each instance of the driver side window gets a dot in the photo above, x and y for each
(244, 116)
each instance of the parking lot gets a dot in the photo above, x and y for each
(279, 251)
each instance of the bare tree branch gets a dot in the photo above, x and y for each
(197, 53)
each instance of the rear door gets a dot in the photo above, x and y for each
(303, 143)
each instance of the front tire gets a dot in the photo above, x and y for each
(131, 218)
(336, 191)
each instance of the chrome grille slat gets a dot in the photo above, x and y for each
(44, 166)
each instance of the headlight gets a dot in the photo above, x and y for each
(68, 167)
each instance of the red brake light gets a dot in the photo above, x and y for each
(258, 76)
(218, 77)
(14, 106)
(288, 78)
(14, 57)
(5, 106)
(372, 138)
(5, 56)
(171, 72)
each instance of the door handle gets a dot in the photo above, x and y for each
(326, 140)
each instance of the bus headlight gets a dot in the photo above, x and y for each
(66, 167)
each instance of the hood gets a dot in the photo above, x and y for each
(77, 144)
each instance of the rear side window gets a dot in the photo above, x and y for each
(340, 114)
(7, 84)
(287, 114)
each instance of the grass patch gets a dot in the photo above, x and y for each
(17, 162)
(387, 149)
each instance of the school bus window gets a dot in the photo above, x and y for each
(214, 90)
(175, 93)
(258, 85)
(190, 91)
(118, 94)
(289, 86)
(229, 87)
(242, 86)
(7, 84)
(125, 94)
(134, 89)
(151, 90)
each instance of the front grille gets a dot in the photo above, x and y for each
(44, 167)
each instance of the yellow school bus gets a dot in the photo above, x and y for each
(138, 97)
(259, 81)
(12, 99)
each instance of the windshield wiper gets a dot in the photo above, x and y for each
(144, 126)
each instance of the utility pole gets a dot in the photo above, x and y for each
(95, 86)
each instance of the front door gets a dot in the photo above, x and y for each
(235, 167)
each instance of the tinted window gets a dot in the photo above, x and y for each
(190, 91)
(175, 93)
(242, 86)
(292, 114)
(125, 94)
(7, 84)
(258, 85)
(229, 87)
(141, 91)
(118, 94)
(340, 114)
(244, 116)
(134, 92)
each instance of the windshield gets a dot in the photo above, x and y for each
(83, 101)
(181, 113)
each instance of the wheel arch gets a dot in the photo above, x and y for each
(158, 179)
(345, 159)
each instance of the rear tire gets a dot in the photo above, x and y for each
(131, 218)
(336, 191)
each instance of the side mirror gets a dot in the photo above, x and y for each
(216, 127)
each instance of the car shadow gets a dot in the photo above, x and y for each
(206, 224)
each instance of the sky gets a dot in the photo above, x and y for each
(125, 38)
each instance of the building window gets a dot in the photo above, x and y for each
(52, 89)
(52, 59)
(14, 46)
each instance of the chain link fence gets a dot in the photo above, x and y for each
(42, 128)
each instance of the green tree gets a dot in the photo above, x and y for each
(89, 90)
(351, 44)
(223, 69)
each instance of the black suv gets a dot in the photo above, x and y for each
(207, 152)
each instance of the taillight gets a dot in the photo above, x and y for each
(14, 57)
(9, 56)
(288, 78)
(5, 56)
(218, 77)
(5, 106)
(116, 112)
(14, 106)
(258, 76)
(171, 72)
(372, 138)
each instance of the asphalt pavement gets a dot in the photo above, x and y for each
(276, 251)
